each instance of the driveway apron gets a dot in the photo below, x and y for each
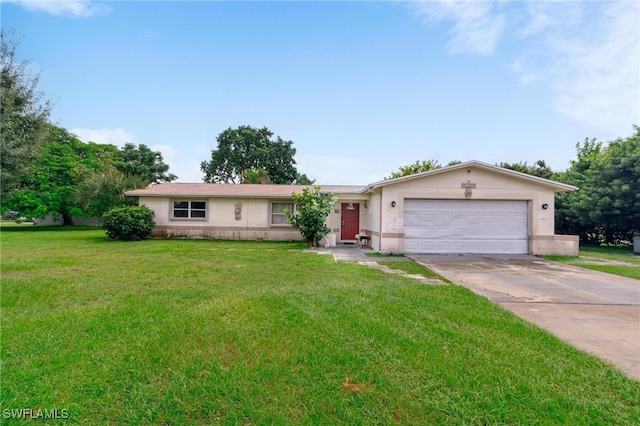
(594, 311)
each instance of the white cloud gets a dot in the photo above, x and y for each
(334, 170)
(528, 78)
(541, 16)
(588, 52)
(115, 136)
(598, 77)
(477, 27)
(76, 8)
(169, 153)
(184, 164)
(186, 167)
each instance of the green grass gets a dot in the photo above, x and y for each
(376, 254)
(604, 259)
(415, 269)
(215, 332)
(13, 223)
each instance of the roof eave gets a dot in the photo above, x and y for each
(195, 195)
(558, 186)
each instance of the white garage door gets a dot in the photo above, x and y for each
(465, 226)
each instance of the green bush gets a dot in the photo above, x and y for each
(128, 223)
(312, 210)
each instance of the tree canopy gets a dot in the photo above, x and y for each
(49, 188)
(606, 207)
(72, 178)
(24, 114)
(539, 168)
(104, 189)
(412, 169)
(248, 148)
(141, 161)
(259, 176)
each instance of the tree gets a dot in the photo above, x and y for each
(606, 207)
(259, 176)
(104, 190)
(24, 114)
(303, 179)
(143, 162)
(248, 148)
(539, 168)
(417, 167)
(49, 188)
(310, 216)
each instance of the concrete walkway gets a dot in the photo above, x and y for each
(357, 254)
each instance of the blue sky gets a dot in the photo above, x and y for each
(361, 87)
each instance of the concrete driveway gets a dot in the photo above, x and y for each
(595, 312)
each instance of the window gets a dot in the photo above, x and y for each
(278, 216)
(189, 210)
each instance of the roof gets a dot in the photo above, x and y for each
(557, 186)
(236, 190)
(232, 190)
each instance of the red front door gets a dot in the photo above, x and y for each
(350, 221)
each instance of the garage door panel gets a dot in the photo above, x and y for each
(487, 219)
(457, 232)
(466, 226)
(457, 219)
(504, 232)
(441, 219)
(413, 246)
(488, 232)
(421, 232)
(411, 218)
(456, 246)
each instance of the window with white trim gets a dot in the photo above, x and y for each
(189, 209)
(278, 216)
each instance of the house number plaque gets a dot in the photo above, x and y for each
(468, 187)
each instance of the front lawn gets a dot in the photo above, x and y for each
(216, 332)
(613, 260)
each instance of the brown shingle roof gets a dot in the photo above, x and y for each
(235, 190)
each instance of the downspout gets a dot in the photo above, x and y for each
(380, 225)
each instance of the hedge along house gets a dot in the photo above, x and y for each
(470, 207)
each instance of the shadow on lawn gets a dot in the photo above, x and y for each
(43, 228)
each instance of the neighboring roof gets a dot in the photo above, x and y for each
(236, 190)
(557, 186)
(284, 191)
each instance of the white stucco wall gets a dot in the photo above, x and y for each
(221, 221)
(373, 219)
(333, 221)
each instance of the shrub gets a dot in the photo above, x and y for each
(312, 210)
(130, 223)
